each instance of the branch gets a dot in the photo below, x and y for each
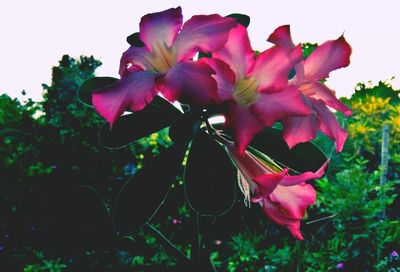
(170, 247)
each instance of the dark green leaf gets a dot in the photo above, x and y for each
(133, 246)
(185, 127)
(383, 89)
(89, 217)
(242, 19)
(301, 158)
(134, 40)
(204, 55)
(308, 48)
(292, 73)
(131, 127)
(90, 85)
(143, 193)
(209, 177)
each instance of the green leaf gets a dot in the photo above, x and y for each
(301, 158)
(209, 177)
(134, 40)
(89, 216)
(143, 193)
(185, 127)
(308, 48)
(131, 127)
(204, 55)
(90, 85)
(242, 19)
(133, 246)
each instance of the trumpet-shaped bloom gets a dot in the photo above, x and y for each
(286, 205)
(327, 57)
(284, 198)
(164, 63)
(254, 89)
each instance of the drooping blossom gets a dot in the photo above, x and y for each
(329, 56)
(254, 89)
(283, 197)
(164, 63)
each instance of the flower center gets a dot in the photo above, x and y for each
(163, 58)
(245, 92)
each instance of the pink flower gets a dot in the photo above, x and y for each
(327, 57)
(340, 266)
(255, 90)
(164, 64)
(284, 198)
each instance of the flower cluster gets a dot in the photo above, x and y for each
(371, 112)
(252, 90)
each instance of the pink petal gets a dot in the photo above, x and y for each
(189, 82)
(294, 199)
(329, 125)
(274, 211)
(205, 33)
(294, 228)
(294, 180)
(327, 57)
(273, 66)
(135, 58)
(244, 125)
(318, 90)
(249, 166)
(237, 52)
(281, 37)
(267, 182)
(287, 205)
(133, 91)
(160, 29)
(224, 76)
(300, 129)
(278, 106)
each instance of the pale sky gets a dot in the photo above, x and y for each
(35, 34)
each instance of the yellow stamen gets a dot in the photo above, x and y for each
(162, 58)
(245, 189)
(245, 92)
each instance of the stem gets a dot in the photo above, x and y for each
(206, 259)
(321, 219)
(384, 164)
(168, 245)
(201, 257)
(214, 133)
(196, 241)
